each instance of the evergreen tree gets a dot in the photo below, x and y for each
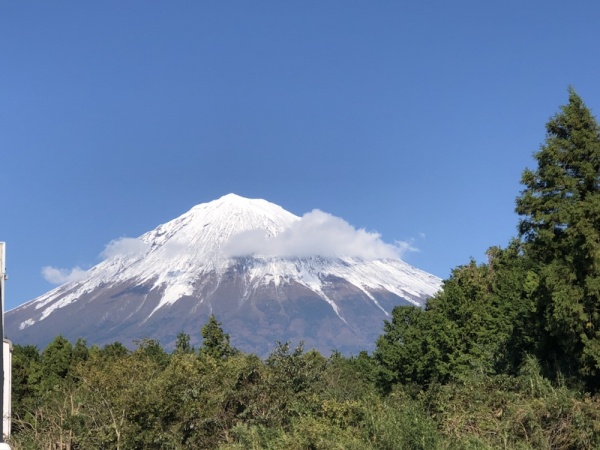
(399, 351)
(151, 348)
(215, 342)
(560, 225)
(116, 350)
(80, 352)
(479, 323)
(55, 362)
(182, 344)
(25, 377)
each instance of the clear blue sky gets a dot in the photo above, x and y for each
(412, 119)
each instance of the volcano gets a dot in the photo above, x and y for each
(265, 273)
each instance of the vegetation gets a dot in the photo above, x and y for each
(506, 356)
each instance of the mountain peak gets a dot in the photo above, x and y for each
(212, 224)
(232, 198)
(233, 204)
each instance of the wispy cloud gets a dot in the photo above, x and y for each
(406, 246)
(317, 234)
(55, 275)
(122, 247)
(125, 247)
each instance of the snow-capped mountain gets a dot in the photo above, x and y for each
(267, 275)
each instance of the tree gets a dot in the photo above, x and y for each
(56, 362)
(399, 347)
(560, 225)
(80, 352)
(478, 323)
(25, 377)
(215, 342)
(182, 344)
(151, 348)
(116, 350)
(119, 397)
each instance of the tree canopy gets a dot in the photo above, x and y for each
(215, 342)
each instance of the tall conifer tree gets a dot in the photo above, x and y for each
(215, 342)
(560, 226)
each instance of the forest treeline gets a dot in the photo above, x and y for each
(506, 355)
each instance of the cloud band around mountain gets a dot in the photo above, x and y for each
(316, 234)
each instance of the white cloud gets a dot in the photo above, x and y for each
(125, 247)
(60, 276)
(406, 246)
(122, 247)
(316, 234)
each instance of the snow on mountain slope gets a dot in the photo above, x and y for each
(190, 258)
(173, 254)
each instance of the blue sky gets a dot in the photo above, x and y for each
(411, 119)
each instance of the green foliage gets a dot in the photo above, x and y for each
(560, 209)
(346, 380)
(182, 344)
(478, 323)
(151, 349)
(56, 362)
(401, 422)
(115, 350)
(80, 352)
(399, 353)
(215, 342)
(25, 378)
(519, 412)
(292, 400)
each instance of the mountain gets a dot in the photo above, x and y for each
(265, 273)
